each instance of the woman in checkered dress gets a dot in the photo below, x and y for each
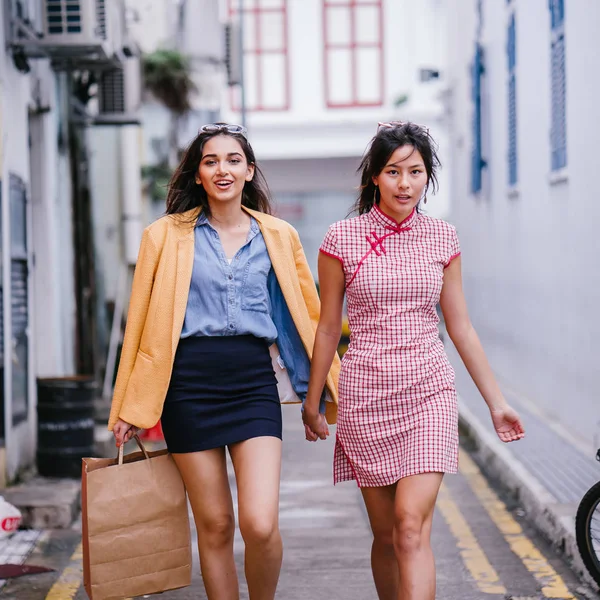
(397, 430)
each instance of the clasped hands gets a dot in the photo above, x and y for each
(315, 425)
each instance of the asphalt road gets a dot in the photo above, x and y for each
(483, 545)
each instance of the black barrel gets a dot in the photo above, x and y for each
(65, 409)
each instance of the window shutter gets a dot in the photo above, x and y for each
(477, 162)
(512, 102)
(558, 127)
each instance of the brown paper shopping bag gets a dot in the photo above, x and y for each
(135, 525)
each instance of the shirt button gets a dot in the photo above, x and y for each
(232, 301)
(230, 276)
(231, 326)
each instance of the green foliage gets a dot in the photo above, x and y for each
(400, 100)
(167, 77)
(157, 179)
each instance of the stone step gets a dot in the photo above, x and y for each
(46, 503)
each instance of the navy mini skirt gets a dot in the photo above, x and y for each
(222, 391)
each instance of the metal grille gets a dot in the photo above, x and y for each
(558, 129)
(101, 18)
(19, 270)
(112, 92)
(63, 16)
(558, 132)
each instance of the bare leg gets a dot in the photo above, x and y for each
(205, 477)
(257, 464)
(414, 506)
(380, 508)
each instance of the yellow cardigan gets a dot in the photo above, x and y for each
(158, 303)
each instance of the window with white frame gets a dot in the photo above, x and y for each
(511, 51)
(558, 128)
(265, 49)
(353, 53)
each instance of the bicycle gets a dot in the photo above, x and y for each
(587, 529)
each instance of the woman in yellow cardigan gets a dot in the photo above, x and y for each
(218, 281)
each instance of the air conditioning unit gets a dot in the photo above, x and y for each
(78, 30)
(119, 94)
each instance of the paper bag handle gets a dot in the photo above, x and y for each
(139, 443)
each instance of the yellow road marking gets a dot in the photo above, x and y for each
(535, 562)
(473, 556)
(66, 586)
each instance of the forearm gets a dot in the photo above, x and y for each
(326, 343)
(469, 348)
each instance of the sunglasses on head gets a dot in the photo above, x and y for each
(393, 124)
(223, 128)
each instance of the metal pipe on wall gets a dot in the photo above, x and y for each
(241, 59)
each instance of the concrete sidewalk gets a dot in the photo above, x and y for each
(547, 473)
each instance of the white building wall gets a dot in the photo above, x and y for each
(309, 128)
(20, 439)
(107, 218)
(151, 23)
(52, 290)
(311, 151)
(30, 137)
(154, 25)
(64, 265)
(530, 252)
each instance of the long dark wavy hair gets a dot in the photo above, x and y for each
(379, 151)
(184, 193)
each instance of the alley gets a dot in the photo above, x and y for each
(484, 548)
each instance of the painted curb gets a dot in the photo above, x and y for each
(555, 521)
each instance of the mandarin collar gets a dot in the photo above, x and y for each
(379, 217)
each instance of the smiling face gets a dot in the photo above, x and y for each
(401, 182)
(223, 170)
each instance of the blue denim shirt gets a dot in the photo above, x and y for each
(229, 299)
(243, 298)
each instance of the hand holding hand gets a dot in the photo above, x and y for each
(315, 425)
(507, 424)
(123, 432)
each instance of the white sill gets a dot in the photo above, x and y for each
(560, 176)
(513, 193)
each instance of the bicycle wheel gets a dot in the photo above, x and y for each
(587, 529)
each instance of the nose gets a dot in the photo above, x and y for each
(221, 168)
(403, 181)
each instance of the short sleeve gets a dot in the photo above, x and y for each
(453, 245)
(330, 244)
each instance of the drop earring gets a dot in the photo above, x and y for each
(375, 195)
(425, 199)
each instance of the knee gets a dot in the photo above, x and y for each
(384, 538)
(408, 536)
(259, 531)
(217, 531)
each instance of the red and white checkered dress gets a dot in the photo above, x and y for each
(397, 413)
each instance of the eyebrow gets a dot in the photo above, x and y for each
(397, 163)
(215, 156)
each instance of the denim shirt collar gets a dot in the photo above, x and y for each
(253, 231)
